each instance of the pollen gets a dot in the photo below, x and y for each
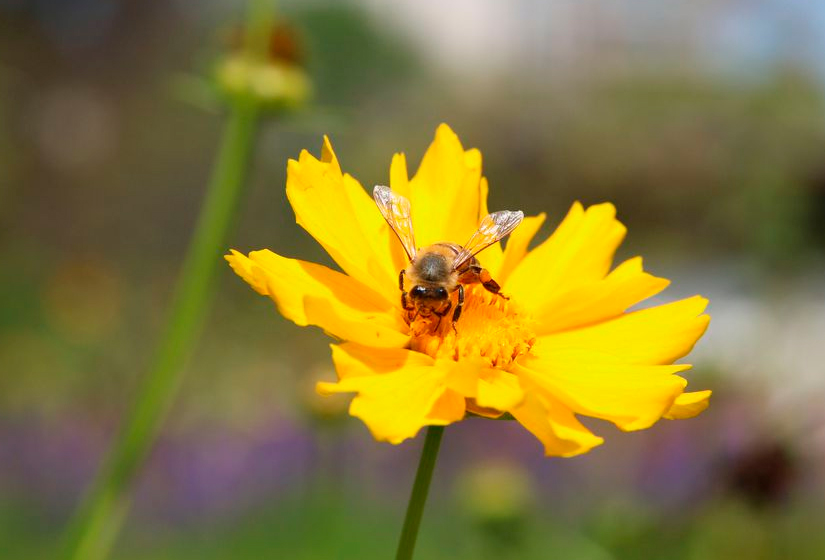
(490, 327)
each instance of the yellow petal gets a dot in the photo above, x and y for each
(492, 257)
(400, 183)
(499, 390)
(380, 330)
(474, 408)
(517, 244)
(356, 360)
(342, 217)
(484, 190)
(395, 405)
(256, 276)
(489, 388)
(311, 294)
(449, 408)
(555, 426)
(462, 376)
(579, 252)
(657, 335)
(399, 178)
(445, 192)
(688, 405)
(631, 396)
(599, 301)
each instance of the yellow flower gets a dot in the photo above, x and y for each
(562, 344)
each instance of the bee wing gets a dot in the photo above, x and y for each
(396, 210)
(494, 227)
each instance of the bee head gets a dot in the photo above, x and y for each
(438, 293)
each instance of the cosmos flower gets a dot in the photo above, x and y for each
(561, 344)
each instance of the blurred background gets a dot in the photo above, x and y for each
(703, 121)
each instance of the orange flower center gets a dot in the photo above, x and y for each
(490, 327)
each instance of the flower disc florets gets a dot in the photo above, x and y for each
(492, 327)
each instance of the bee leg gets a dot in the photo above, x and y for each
(442, 314)
(459, 305)
(401, 279)
(489, 284)
(493, 287)
(408, 306)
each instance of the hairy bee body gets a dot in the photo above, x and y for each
(434, 277)
(440, 270)
(433, 264)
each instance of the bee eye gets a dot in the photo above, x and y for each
(418, 291)
(441, 293)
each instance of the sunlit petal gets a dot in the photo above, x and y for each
(516, 248)
(579, 252)
(336, 210)
(599, 301)
(688, 405)
(554, 425)
(631, 396)
(445, 192)
(657, 335)
(311, 294)
(394, 404)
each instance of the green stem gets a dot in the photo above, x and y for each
(95, 526)
(421, 488)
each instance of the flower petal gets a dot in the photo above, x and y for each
(380, 330)
(499, 390)
(516, 247)
(400, 183)
(657, 335)
(341, 216)
(491, 257)
(399, 177)
(579, 252)
(599, 301)
(356, 360)
(445, 192)
(631, 396)
(394, 406)
(554, 425)
(688, 405)
(489, 388)
(394, 403)
(311, 294)
(449, 408)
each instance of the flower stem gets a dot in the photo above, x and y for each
(418, 498)
(96, 523)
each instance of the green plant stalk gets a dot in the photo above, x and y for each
(98, 521)
(94, 528)
(418, 498)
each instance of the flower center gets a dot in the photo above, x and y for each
(490, 327)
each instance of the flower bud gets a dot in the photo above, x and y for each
(277, 80)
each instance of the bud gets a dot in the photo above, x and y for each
(277, 80)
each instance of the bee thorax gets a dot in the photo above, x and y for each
(432, 267)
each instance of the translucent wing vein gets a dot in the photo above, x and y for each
(396, 210)
(493, 227)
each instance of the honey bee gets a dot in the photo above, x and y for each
(437, 271)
